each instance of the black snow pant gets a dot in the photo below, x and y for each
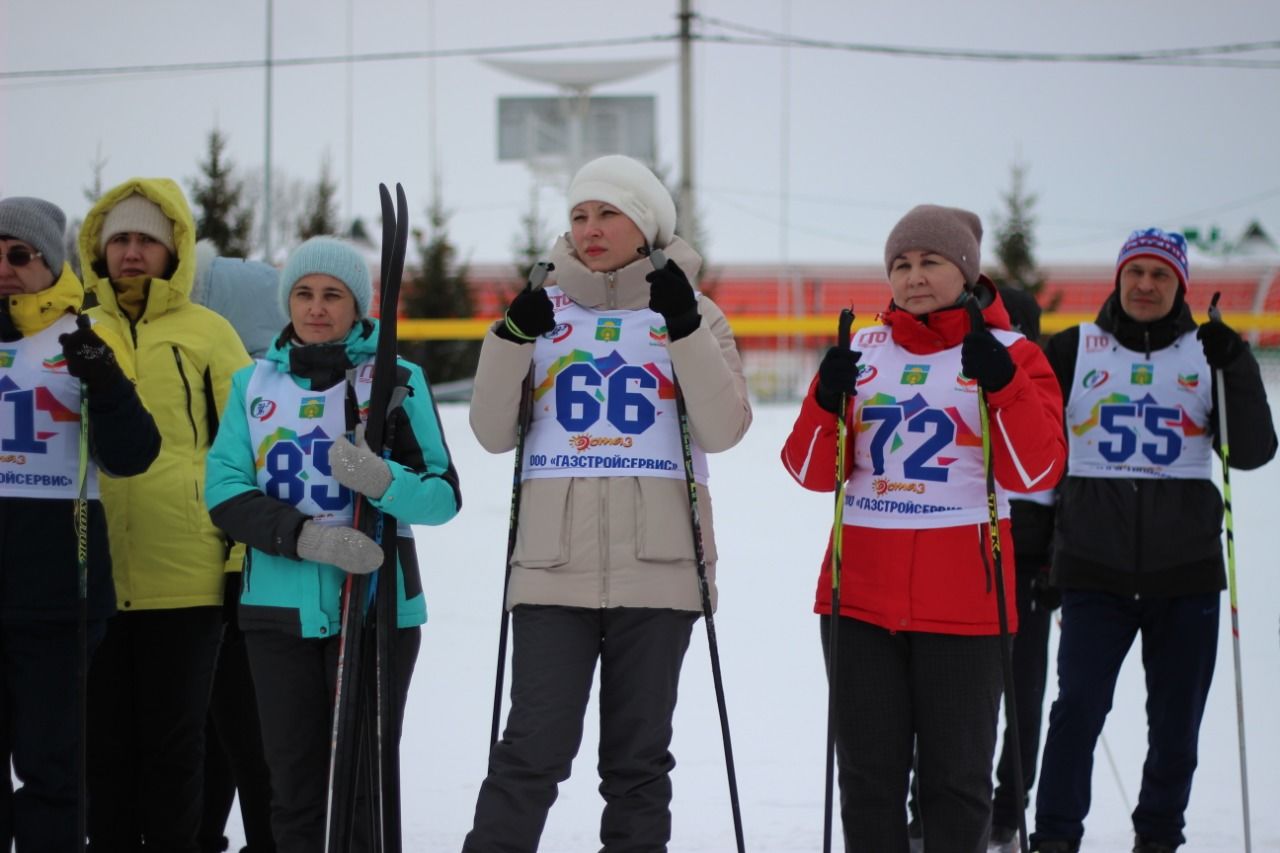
(554, 655)
(1179, 649)
(40, 733)
(234, 761)
(899, 691)
(295, 678)
(1030, 671)
(148, 700)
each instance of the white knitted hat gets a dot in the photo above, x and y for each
(628, 185)
(141, 214)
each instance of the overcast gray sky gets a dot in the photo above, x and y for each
(836, 144)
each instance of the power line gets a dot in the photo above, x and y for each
(1194, 56)
(1204, 56)
(335, 59)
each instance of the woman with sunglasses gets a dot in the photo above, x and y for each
(52, 361)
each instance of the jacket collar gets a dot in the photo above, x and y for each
(625, 288)
(946, 327)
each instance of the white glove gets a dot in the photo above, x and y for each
(359, 468)
(344, 547)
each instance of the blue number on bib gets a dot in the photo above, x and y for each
(1163, 451)
(915, 466)
(284, 462)
(1108, 417)
(323, 493)
(631, 411)
(1155, 417)
(626, 406)
(944, 431)
(24, 425)
(577, 408)
(889, 417)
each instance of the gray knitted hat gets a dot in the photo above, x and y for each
(38, 222)
(954, 233)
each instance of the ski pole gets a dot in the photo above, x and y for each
(977, 324)
(843, 328)
(659, 260)
(537, 277)
(1219, 382)
(81, 523)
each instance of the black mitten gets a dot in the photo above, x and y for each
(529, 316)
(987, 360)
(88, 356)
(1221, 343)
(1044, 595)
(838, 374)
(671, 295)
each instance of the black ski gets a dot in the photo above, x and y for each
(369, 603)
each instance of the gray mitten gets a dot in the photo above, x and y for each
(359, 468)
(344, 547)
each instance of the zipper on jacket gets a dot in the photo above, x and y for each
(611, 290)
(186, 387)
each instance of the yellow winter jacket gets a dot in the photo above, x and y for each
(165, 551)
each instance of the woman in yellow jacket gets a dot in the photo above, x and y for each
(150, 681)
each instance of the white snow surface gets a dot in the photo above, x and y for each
(771, 536)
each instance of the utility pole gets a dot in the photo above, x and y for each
(687, 214)
(266, 156)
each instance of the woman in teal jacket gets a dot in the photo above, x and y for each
(281, 476)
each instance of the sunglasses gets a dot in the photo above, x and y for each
(19, 257)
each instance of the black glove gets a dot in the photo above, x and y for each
(1221, 343)
(528, 317)
(671, 295)
(88, 356)
(838, 374)
(987, 360)
(1044, 595)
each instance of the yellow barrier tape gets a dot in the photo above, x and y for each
(761, 326)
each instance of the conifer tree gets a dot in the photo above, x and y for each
(222, 217)
(321, 213)
(440, 290)
(1015, 238)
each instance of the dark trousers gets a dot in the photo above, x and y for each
(937, 693)
(554, 653)
(1179, 648)
(234, 759)
(295, 678)
(1030, 671)
(40, 733)
(148, 700)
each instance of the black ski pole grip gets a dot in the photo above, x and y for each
(1215, 313)
(843, 327)
(657, 257)
(976, 322)
(538, 275)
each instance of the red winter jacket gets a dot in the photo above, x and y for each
(937, 580)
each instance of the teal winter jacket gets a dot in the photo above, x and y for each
(279, 590)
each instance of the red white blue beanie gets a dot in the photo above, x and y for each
(631, 187)
(1167, 246)
(333, 257)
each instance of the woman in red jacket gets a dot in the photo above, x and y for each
(919, 652)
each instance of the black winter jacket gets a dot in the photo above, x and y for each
(39, 576)
(1145, 536)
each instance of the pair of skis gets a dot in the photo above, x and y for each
(365, 739)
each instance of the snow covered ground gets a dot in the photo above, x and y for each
(771, 535)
